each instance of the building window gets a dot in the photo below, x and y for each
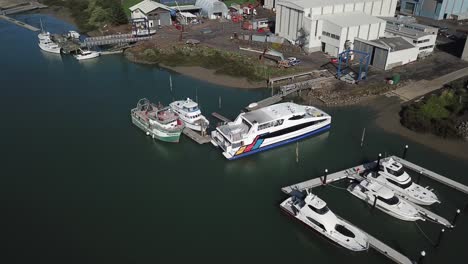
(426, 47)
(333, 36)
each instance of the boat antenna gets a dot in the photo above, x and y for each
(170, 81)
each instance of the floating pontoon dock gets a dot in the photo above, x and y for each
(221, 117)
(196, 136)
(354, 173)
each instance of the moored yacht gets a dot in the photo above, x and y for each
(190, 113)
(314, 212)
(269, 127)
(386, 201)
(157, 121)
(48, 45)
(86, 54)
(392, 174)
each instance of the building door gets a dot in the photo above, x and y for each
(323, 47)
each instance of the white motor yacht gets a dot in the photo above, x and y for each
(392, 174)
(269, 127)
(190, 113)
(314, 212)
(43, 36)
(86, 54)
(48, 45)
(386, 201)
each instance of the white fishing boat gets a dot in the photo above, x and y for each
(392, 174)
(269, 127)
(86, 54)
(313, 212)
(190, 113)
(385, 200)
(48, 45)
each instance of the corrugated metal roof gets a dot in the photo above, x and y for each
(147, 6)
(301, 4)
(395, 44)
(351, 19)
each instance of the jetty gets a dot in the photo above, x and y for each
(200, 139)
(19, 23)
(112, 40)
(21, 7)
(290, 77)
(320, 77)
(357, 172)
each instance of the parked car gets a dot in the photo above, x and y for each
(293, 61)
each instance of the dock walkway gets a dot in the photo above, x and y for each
(221, 117)
(19, 23)
(291, 77)
(22, 7)
(196, 136)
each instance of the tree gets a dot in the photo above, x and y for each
(118, 16)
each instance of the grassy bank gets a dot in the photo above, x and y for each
(439, 113)
(222, 62)
(93, 14)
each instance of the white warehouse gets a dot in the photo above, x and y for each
(328, 25)
(422, 36)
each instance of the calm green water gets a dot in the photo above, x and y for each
(80, 184)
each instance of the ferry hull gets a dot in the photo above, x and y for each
(279, 144)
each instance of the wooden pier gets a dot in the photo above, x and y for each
(265, 102)
(221, 117)
(356, 172)
(19, 23)
(196, 136)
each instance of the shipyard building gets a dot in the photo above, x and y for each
(326, 26)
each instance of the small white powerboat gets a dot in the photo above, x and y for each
(48, 45)
(190, 113)
(387, 201)
(314, 212)
(86, 54)
(391, 174)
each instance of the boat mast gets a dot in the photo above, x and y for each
(42, 28)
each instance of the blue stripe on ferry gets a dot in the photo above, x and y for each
(259, 142)
(281, 143)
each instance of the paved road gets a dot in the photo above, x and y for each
(423, 87)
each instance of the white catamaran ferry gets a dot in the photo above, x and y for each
(269, 127)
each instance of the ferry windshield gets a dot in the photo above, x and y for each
(320, 211)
